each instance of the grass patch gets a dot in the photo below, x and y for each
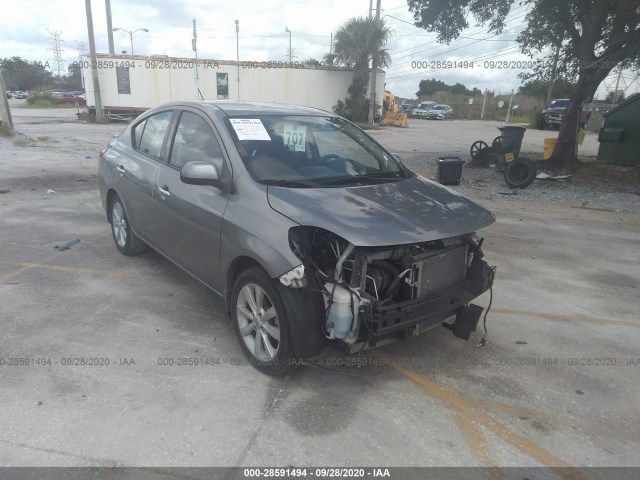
(24, 142)
(523, 119)
(6, 130)
(39, 103)
(43, 138)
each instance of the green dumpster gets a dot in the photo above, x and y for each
(515, 135)
(618, 137)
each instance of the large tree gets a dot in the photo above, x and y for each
(357, 42)
(593, 37)
(537, 87)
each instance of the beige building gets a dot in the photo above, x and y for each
(133, 83)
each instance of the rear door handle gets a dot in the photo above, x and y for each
(120, 168)
(164, 191)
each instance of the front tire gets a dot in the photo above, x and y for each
(260, 322)
(127, 242)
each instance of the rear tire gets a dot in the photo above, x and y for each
(127, 242)
(520, 173)
(260, 322)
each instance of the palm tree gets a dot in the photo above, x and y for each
(357, 42)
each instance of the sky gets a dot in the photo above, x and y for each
(262, 36)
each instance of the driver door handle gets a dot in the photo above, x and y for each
(120, 168)
(164, 191)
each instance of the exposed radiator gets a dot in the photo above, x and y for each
(435, 272)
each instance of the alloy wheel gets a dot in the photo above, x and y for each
(258, 322)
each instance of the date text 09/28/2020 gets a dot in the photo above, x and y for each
(464, 64)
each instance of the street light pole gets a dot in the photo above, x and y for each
(238, 55)
(131, 32)
(286, 29)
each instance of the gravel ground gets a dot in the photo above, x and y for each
(597, 185)
(609, 188)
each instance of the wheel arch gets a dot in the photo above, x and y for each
(110, 194)
(305, 330)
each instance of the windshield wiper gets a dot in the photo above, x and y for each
(278, 182)
(360, 178)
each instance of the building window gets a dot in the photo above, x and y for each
(223, 85)
(124, 85)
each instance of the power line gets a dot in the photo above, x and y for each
(477, 30)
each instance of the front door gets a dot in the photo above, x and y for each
(191, 215)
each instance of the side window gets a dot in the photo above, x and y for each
(153, 129)
(195, 142)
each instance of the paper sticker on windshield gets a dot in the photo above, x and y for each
(294, 136)
(249, 129)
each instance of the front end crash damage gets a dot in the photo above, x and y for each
(374, 295)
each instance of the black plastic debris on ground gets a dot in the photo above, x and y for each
(66, 245)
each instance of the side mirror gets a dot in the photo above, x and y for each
(397, 157)
(200, 173)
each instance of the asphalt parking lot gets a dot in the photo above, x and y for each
(555, 386)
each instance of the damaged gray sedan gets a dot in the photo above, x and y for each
(309, 229)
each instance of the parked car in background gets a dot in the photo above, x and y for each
(20, 94)
(422, 109)
(68, 99)
(440, 112)
(555, 112)
(310, 230)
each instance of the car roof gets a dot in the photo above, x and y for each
(234, 108)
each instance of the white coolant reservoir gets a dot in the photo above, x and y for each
(341, 316)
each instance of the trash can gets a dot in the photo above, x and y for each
(449, 170)
(515, 134)
(549, 145)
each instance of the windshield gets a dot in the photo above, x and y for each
(304, 151)
(438, 107)
(559, 104)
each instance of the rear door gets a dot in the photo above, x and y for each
(138, 168)
(191, 215)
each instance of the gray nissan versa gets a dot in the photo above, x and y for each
(309, 229)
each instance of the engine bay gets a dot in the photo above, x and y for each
(377, 293)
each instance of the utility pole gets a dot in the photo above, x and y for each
(94, 63)
(553, 73)
(374, 74)
(238, 55)
(107, 6)
(286, 29)
(5, 111)
(370, 9)
(194, 46)
(484, 103)
(331, 44)
(509, 112)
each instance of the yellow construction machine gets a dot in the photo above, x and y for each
(390, 114)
